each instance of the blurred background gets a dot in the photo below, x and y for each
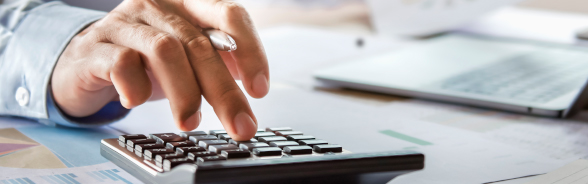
(349, 16)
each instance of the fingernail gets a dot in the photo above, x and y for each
(124, 102)
(244, 125)
(260, 84)
(193, 121)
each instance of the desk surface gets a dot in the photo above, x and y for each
(498, 145)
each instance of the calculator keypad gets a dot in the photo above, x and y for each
(168, 150)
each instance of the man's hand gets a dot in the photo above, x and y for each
(152, 49)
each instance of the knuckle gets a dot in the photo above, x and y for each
(164, 43)
(180, 27)
(172, 19)
(199, 44)
(125, 58)
(208, 59)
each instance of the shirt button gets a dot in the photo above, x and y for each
(22, 96)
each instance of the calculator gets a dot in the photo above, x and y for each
(274, 155)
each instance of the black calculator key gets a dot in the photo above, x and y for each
(267, 151)
(270, 129)
(201, 160)
(272, 139)
(124, 138)
(168, 164)
(250, 146)
(149, 154)
(281, 144)
(207, 143)
(195, 155)
(298, 150)
(287, 133)
(141, 147)
(225, 137)
(174, 145)
(238, 153)
(133, 142)
(186, 150)
(328, 148)
(167, 137)
(217, 132)
(160, 158)
(196, 139)
(252, 140)
(299, 137)
(313, 142)
(218, 148)
(192, 133)
(264, 134)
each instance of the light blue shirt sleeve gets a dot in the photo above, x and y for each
(33, 35)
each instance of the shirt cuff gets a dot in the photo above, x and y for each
(28, 61)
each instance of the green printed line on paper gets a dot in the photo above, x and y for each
(405, 137)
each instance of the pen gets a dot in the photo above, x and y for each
(220, 40)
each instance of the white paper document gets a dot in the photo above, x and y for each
(573, 173)
(34, 153)
(561, 139)
(427, 17)
(530, 24)
(100, 173)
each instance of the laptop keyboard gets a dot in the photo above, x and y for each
(536, 77)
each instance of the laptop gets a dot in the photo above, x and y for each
(514, 75)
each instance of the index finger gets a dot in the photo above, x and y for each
(233, 19)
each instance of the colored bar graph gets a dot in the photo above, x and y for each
(117, 176)
(108, 175)
(99, 175)
(71, 178)
(94, 176)
(56, 180)
(18, 181)
(29, 180)
(405, 137)
(66, 176)
(62, 179)
(46, 178)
